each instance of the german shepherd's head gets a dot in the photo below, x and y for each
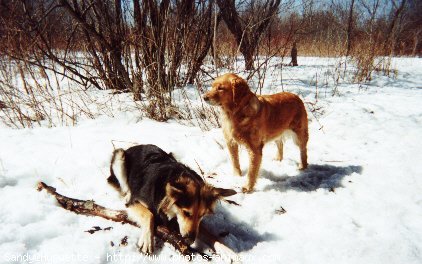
(188, 200)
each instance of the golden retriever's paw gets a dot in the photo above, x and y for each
(247, 189)
(237, 172)
(277, 158)
(146, 243)
(302, 167)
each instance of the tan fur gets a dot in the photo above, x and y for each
(202, 200)
(139, 213)
(119, 171)
(254, 120)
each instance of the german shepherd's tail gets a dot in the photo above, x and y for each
(118, 173)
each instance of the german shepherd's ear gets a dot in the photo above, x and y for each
(211, 194)
(173, 193)
(221, 192)
(239, 89)
(175, 190)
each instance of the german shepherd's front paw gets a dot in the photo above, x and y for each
(146, 243)
(126, 197)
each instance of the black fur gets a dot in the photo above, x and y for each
(112, 180)
(149, 169)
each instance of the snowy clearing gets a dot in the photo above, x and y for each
(360, 200)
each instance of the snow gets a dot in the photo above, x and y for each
(360, 200)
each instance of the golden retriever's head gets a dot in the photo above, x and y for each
(228, 91)
(189, 201)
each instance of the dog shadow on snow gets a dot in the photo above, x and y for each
(241, 236)
(237, 235)
(311, 179)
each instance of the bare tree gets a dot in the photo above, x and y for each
(293, 54)
(201, 37)
(94, 42)
(396, 12)
(102, 28)
(412, 31)
(350, 28)
(248, 28)
(169, 35)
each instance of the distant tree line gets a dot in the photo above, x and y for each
(149, 47)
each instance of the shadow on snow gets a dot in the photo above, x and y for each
(241, 236)
(311, 179)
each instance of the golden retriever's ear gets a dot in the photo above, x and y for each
(239, 89)
(253, 107)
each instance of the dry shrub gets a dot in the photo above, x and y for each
(197, 112)
(155, 109)
(364, 59)
(31, 96)
(367, 62)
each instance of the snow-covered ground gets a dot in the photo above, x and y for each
(360, 200)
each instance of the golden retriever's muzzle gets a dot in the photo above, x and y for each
(210, 99)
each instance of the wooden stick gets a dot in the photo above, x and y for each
(88, 207)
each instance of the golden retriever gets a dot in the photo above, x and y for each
(253, 120)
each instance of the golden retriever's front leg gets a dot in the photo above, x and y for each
(143, 217)
(279, 143)
(234, 154)
(255, 158)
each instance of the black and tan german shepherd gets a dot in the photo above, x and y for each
(158, 188)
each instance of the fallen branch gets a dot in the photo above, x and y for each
(88, 207)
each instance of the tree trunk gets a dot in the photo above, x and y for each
(248, 54)
(350, 28)
(389, 39)
(113, 45)
(247, 31)
(294, 55)
(415, 51)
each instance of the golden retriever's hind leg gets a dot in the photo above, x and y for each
(303, 156)
(141, 215)
(234, 156)
(255, 158)
(301, 141)
(279, 143)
